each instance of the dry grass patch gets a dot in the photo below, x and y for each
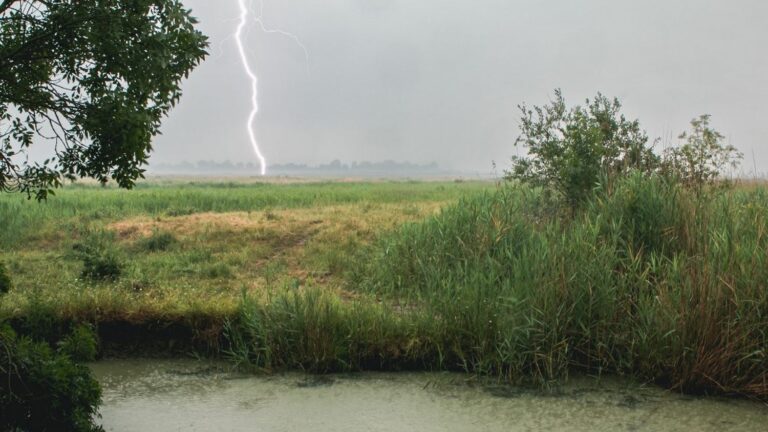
(363, 218)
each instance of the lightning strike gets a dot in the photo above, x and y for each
(258, 18)
(289, 35)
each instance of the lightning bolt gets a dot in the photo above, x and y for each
(259, 20)
(245, 11)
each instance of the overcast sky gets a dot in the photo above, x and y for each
(440, 80)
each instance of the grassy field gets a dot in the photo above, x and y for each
(647, 279)
(194, 248)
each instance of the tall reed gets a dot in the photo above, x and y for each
(647, 280)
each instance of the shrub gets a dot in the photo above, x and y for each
(5, 279)
(703, 156)
(42, 390)
(569, 150)
(80, 345)
(42, 322)
(101, 260)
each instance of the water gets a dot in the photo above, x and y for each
(151, 395)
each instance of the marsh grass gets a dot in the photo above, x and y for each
(314, 330)
(648, 280)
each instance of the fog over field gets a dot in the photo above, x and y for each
(439, 81)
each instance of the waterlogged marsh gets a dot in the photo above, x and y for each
(152, 395)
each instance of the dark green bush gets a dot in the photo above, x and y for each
(41, 390)
(42, 322)
(5, 279)
(101, 259)
(80, 344)
(569, 150)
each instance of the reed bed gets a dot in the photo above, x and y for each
(647, 280)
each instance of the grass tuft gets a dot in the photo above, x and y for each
(159, 241)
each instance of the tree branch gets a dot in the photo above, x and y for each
(6, 4)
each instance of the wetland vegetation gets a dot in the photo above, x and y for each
(646, 280)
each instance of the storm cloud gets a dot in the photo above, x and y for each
(429, 80)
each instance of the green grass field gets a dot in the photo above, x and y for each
(193, 248)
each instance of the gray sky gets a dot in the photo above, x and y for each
(440, 80)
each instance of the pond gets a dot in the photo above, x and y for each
(187, 395)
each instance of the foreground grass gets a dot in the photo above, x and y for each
(193, 249)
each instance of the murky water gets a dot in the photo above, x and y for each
(151, 395)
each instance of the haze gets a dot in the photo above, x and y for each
(439, 81)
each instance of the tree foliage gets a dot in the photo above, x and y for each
(92, 80)
(43, 390)
(703, 156)
(569, 149)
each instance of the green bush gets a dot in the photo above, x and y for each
(703, 156)
(101, 259)
(80, 344)
(42, 322)
(44, 391)
(570, 150)
(5, 279)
